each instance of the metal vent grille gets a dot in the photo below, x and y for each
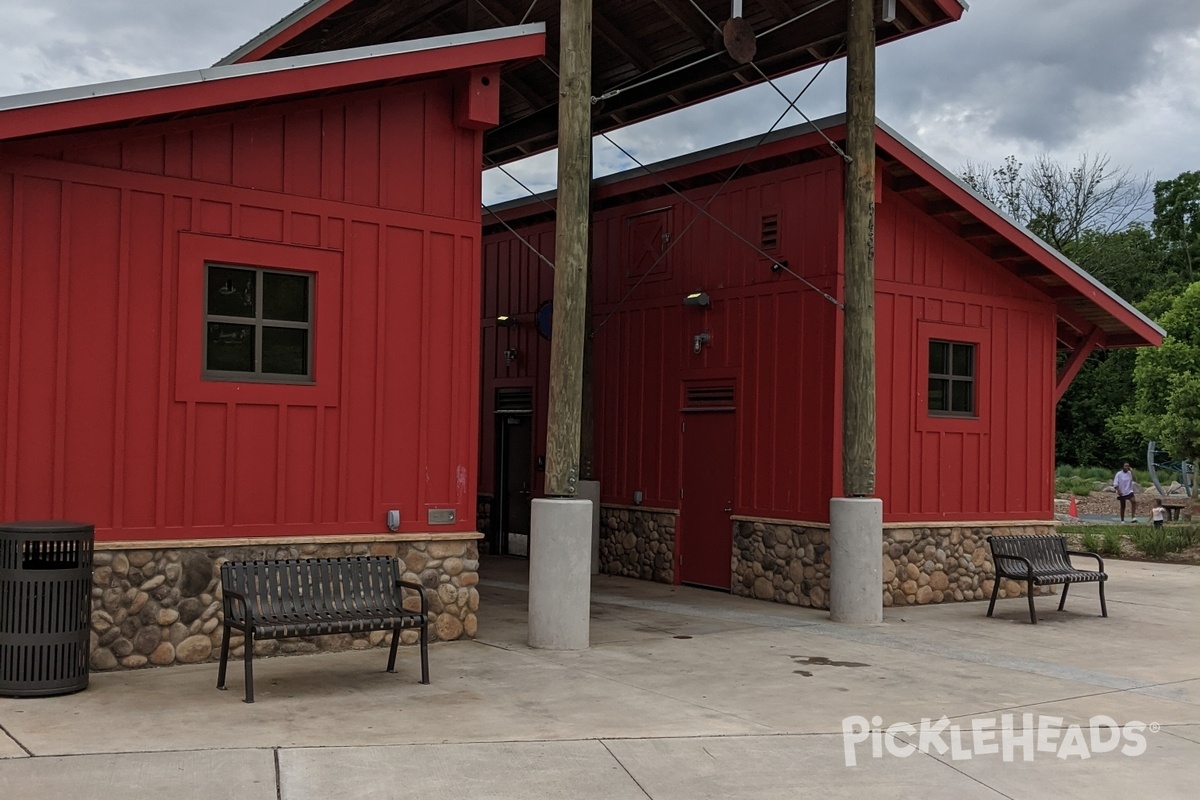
(770, 231)
(700, 397)
(514, 400)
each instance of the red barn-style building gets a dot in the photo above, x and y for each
(241, 311)
(717, 368)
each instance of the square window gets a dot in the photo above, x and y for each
(951, 378)
(258, 324)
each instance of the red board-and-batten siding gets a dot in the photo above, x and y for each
(104, 417)
(778, 342)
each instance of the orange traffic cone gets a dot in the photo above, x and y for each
(1073, 511)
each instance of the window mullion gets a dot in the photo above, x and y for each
(258, 320)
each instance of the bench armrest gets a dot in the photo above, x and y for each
(420, 590)
(1099, 560)
(1028, 566)
(228, 598)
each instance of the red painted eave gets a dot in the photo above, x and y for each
(231, 86)
(1142, 331)
(315, 16)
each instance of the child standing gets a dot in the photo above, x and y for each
(1156, 513)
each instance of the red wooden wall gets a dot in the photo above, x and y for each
(778, 342)
(104, 417)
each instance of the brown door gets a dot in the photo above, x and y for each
(705, 529)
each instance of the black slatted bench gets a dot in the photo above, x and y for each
(316, 596)
(1041, 560)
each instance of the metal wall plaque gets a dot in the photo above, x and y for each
(441, 516)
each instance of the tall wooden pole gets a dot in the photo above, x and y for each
(571, 247)
(856, 518)
(858, 364)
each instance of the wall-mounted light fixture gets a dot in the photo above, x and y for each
(699, 340)
(700, 299)
(509, 357)
(637, 498)
(506, 322)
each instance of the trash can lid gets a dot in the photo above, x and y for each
(46, 526)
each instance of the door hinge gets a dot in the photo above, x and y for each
(681, 493)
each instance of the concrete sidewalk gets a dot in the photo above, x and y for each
(684, 694)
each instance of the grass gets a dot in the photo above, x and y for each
(1151, 542)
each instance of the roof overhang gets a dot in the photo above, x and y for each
(167, 96)
(1089, 313)
(649, 56)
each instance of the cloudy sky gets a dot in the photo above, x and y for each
(1022, 77)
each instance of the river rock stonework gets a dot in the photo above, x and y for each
(789, 563)
(637, 543)
(162, 606)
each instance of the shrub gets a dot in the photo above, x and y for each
(1155, 542)
(1090, 542)
(1111, 544)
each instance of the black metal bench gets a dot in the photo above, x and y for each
(1041, 560)
(312, 597)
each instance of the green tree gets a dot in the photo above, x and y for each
(1177, 222)
(1166, 400)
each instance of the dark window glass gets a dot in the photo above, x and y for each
(258, 324)
(937, 394)
(963, 356)
(230, 347)
(952, 378)
(231, 292)
(285, 350)
(939, 357)
(285, 297)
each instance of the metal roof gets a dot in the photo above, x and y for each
(1082, 301)
(659, 55)
(415, 55)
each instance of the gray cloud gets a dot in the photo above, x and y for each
(1013, 76)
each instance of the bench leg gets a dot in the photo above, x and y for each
(1062, 601)
(224, 659)
(1103, 608)
(995, 592)
(392, 653)
(249, 665)
(425, 652)
(1032, 611)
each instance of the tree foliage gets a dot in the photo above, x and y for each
(1092, 212)
(1060, 202)
(1166, 400)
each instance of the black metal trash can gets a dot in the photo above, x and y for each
(45, 607)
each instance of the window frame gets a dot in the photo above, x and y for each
(259, 322)
(187, 306)
(925, 420)
(951, 379)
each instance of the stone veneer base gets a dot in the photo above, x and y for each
(159, 603)
(788, 562)
(637, 542)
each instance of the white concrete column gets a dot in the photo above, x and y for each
(560, 579)
(856, 554)
(590, 490)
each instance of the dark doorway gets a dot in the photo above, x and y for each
(514, 472)
(705, 536)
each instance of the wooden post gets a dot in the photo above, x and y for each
(571, 247)
(858, 360)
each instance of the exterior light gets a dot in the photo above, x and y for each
(506, 322)
(700, 299)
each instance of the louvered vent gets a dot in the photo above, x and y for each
(770, 231)
(699, 397)
(514, 399)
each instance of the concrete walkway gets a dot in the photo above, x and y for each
(684, 694)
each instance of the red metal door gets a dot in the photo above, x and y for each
(705, 536)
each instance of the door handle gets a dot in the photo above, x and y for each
(729, 509)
